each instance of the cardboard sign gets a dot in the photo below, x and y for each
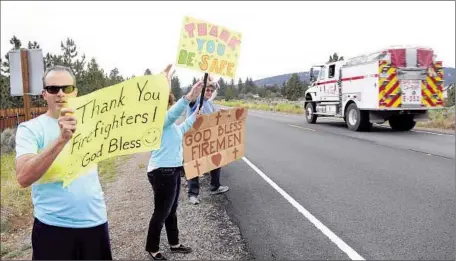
(122, 119)
(207, 47)
(215, 140)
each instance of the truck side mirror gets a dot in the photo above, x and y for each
(311, 75)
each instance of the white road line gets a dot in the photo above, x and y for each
(333, 237)
(296, 126)
(433, 133)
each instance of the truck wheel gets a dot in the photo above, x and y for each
(310, 116)
(402, 123)
(356, 119)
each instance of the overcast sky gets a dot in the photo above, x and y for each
(282, 37)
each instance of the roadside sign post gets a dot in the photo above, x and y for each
(26, 75)
(25, 83)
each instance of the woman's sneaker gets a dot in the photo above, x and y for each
(158, 256)
(181, 249)
(221, 189)
(194, 200)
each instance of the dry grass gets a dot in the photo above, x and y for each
(15, 201)
(16, 208)
(263, 106)
(440, 119)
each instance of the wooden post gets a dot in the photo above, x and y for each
(25, 83)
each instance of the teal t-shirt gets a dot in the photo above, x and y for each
(170, 153)
(79, 205)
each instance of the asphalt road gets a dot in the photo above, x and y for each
(387, 195)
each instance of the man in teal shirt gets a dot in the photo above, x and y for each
(71, 222)
(193, 184)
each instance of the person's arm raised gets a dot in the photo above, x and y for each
(176, 110)
(31, 165)
(188, 123)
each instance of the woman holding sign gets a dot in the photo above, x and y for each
(164, 173)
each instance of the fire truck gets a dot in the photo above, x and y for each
(397, 84)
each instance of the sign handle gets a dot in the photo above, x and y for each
(25, 83)
(203, 90)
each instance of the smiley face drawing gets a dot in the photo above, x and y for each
(151, 137)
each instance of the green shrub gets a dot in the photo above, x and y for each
(8, 140)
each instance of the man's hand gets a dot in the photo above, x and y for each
(31, 167)
(195, 91)
(67, 124)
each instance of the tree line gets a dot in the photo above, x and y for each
(91, 77)
(293, 89)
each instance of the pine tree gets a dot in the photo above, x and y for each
(176, 88)
(69, 52)
(335, 57)
(240, 86)
(69, 58)
(115, 77)
(294, 88)
(33, 45)
(229, 93)
(222, 88)
(17, 44)
(234, 92)
(94, 79)
(283, 90)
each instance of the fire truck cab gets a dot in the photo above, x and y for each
(398, 85)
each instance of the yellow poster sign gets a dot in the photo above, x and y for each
(207, 47)
(122, 119)
(214, 140)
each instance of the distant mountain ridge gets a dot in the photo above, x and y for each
(449, 73)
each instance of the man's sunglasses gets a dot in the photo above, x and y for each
(55, 89)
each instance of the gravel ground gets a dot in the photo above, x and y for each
(205, 227)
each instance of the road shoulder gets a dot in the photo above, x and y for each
(129, 199)
(205, 227)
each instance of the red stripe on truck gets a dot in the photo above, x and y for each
(327, 82)
(353, 78)
(348, 79)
